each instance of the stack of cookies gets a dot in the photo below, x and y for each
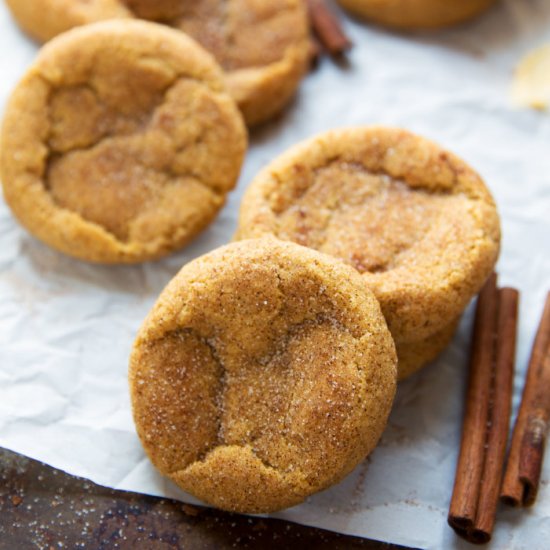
(415, 221)
(267, 369)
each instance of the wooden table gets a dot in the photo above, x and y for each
(41, 507)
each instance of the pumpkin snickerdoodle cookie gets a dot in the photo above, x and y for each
(120, 143)
(417, 14)
(415, 221)
(264, 373)
(262, 45)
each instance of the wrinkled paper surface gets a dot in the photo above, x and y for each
(66, 328)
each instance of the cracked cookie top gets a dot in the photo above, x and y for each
(121, 142)
(264, 373)
(414, 220)
(262, 45)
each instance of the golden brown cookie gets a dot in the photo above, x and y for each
(412, 356)
(417, 222)
(265, 372)
(262, 45)
(417, 14)
(120, 143)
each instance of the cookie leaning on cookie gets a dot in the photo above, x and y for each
(414, 220)
(262, 45)
(120, 143)
(417, 14)
(264, 373)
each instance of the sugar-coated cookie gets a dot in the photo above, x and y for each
(121, 142)
(414, 220)
(265, 372)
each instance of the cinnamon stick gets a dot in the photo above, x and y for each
(327, 28)
(463, 508)
(522, 476)
(501, 404)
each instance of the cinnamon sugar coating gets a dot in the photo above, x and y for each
(120, 143)
(262, 45)
(265, 372)
(417, 14)
(415, 221)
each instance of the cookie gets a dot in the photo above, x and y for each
(265, 372)
(414, 220)
(412, 356)
(531, 84)
(417, 14)
(120, 143)
(263, 45)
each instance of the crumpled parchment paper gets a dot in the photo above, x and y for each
(66, 327)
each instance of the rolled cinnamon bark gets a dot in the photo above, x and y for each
(464, 502)
(327, 28)
(485, 432)
(522, 476)
(501, 404)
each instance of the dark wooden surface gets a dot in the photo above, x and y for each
(44, 508)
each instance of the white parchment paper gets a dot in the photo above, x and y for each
(66, 327)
